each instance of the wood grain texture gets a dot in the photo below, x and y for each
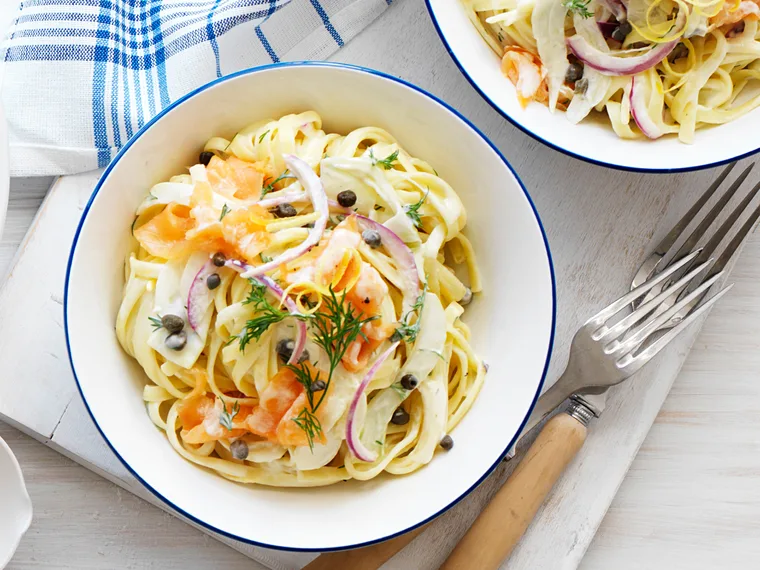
(691, 499)
(600, 223)
(81, 521)
(368, 558)
(497, 530)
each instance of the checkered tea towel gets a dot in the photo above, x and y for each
(80, 77)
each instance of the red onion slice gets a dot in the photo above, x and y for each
(402, 257)
(609, 64)
(355, 444)
(242, 267)
(288, 197)
(199, 296)
(309, 180)
(640, 111)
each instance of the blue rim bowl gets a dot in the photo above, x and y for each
(68, 302)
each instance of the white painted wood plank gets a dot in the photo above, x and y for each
(23, 202)
(84, 522)
(31, 307)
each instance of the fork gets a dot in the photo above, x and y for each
(664, 248)
(602, 355)
(605, 352)
(666, 297)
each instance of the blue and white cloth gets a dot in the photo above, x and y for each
(80, 77)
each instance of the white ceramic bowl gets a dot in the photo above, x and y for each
(593, 141)
(512, 322)
(15, 505)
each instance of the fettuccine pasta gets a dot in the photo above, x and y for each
(654, 67)
(293, 305)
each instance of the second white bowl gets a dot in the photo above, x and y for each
(593, 141)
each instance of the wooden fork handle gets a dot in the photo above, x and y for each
(500, 526)
(367, 558)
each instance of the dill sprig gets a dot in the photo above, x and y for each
(225, 419)
(307, 379)
(133, 224)
(156, 322)
(387, 162)
(264, 258)
(266, 315)
(578, 7)
(413, 210)
(225, 211)
(152, 196)
(270, 187)
(336, 328)
(265, 133)
(309, 423)
(408, 332)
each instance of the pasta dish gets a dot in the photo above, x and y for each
(654, 67)
(294, 306)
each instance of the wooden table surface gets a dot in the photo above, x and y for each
(691, 499)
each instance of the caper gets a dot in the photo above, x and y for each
(176, 341)
(409, 381)
(467, 297)
(347, 198)
(318, 386)
(239, 449)
(285, 348)
(446, 442)
(581, 86)
(219, 259)
(205, 157)
(285, 211)
(213, 281)
(400, 417)
(372, 238)
(574, 72)
(621, 32)
(172, 323)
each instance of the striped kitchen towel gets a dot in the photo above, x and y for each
(80, 77)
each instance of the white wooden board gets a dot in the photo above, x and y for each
(600, 225)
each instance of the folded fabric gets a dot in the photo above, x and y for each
(80, 77)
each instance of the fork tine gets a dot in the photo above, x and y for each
(664, 246)
(714, 212)
(633, 363)
(626, 299)
(714, 242)
(607, 334)
(641, 333)
(734, 244)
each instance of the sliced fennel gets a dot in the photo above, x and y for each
(426, 353)
(548, 21)
(597, 83)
